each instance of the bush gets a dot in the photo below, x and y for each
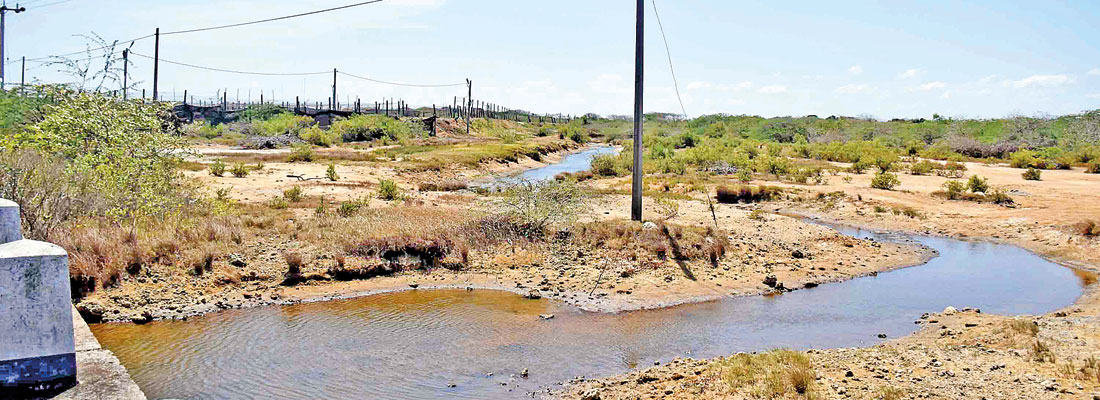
(444, 186)
(301, 152)
(1032, 174)
(977, 184)
(330, 173)
(239, 170)
(952, 170)
(1000, 197)
(923, 167)
(48, 192)
(361, 128)
(954, 189)
(278, 203)
(1093, 167)
(388, 190)
(885, 180)
(281, 124)
(217, 168)
(535, 206)
(349, 208)
(611, 165)
(747, 194)
(319, 137)
(294, 194)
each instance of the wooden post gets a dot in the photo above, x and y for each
(185, 97)
(156, 64)
(125, 72)
(334, 99)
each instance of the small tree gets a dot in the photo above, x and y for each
(954, 189)
(1033, 174)
(537, 205)
(885, 180)
(331, 173)
(977, 184)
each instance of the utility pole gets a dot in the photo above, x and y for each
(334, 89)
(470, 98)
(23, 75)
(3, 13)
(156, 63)
(639, 60)
(125, 72)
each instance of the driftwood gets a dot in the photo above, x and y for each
(302, 178)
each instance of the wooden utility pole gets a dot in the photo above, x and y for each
(639, 67)
(470, 98)
(333, 88)
(3, 14)
(156, 63)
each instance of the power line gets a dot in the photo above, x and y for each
(230, 70)
(401, 84)
(50, 4)
(90, 50)
(675, 85)
(272, 19)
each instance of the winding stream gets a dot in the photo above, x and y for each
(417, 344)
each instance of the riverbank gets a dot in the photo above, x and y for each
(955, 354)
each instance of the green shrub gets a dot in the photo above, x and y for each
(351, 207)
(954, 189)
(924, 167)
(388, 190)
(239, 170)
(885, 180)
(535, 206)
(1027, 159)
(301, 152)
(1000, 196)
(319, 137)
(1032, 174)
(747, 194)
(330, 173)
(294, 194)
(611, 165)
(977, 184)
(952, 170)
(1093, 167)
(361, 128)
(281, 124)
(217, 168)
(278, 203)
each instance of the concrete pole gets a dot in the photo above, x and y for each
(639, 68)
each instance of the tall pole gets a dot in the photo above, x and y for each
(470, 98)
(334, 88)
(23, 75)
(3, 14)
(125, 72)
(639, 59)
(156, 63)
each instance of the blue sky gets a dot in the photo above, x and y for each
(881, 58)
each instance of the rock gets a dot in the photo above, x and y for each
(849, 374)
(649, 226)
(523, 373)
(414, 285)
(798, 254)
(145, 318)
(533, 295)
(882, 336)
(451, 385)
(591, 394)
(237, 260)
(546, 316)
(771, 280)
(950, 311)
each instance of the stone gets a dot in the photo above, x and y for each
(533, 294)
(649, 226)
(524, 373)
(771, 281)
(546, 316)
(882, 336)
(237, 260)
(591, 394)
(950, 311)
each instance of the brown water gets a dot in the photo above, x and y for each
(416, 344)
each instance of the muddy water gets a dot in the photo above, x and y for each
(576, 162)
(416, 344)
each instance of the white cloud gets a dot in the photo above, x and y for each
(1039, 80)
(608, 83)
(737, 87)
(988, 79)
(910, 73)
(932, 85)
(946, 94)
(1093, 96)
(852, 89)
(773, 89)
(855, 70)
(1094, 72)
(699, 85)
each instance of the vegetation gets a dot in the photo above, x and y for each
(747, 194)
(977, 184)
(1088, 228)
(217, 168)
(388, 190)
(1032, 174)
(330, 173)
(239, 170)
(444, 186)
(534, 206)
(885, 180)
(300, 152)
(294, 194)
(771, 375)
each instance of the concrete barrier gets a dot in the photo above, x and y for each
(37, 348)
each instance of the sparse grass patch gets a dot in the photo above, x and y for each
(890, 393)
(774, 374)
(388, 190)
(294, 194)
(300, 152)
(1024, 327)
(443, 186)
(239, 170)
(217, 168)
(1041, 352)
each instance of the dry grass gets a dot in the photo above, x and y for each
(1024, 327)
(890, 393)
(667, 241)
(774, 374)
(747, 194)
(1041, 352)
(443, 186)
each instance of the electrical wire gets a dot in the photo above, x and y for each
(271, 19)
(675, 84)
(48, 4)
(400, 84)
(90, 50)
(230, 70)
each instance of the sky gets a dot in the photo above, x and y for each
(886, 59)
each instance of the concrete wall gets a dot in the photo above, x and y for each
(37, 349)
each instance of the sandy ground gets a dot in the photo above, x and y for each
(954, 354)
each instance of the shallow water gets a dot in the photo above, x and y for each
(415, 344)
(576, 162)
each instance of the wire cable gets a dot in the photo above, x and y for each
(90, 50)
(230, 70)
(271, 19)
(675, 84)
(47, 4)
(400, 84)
